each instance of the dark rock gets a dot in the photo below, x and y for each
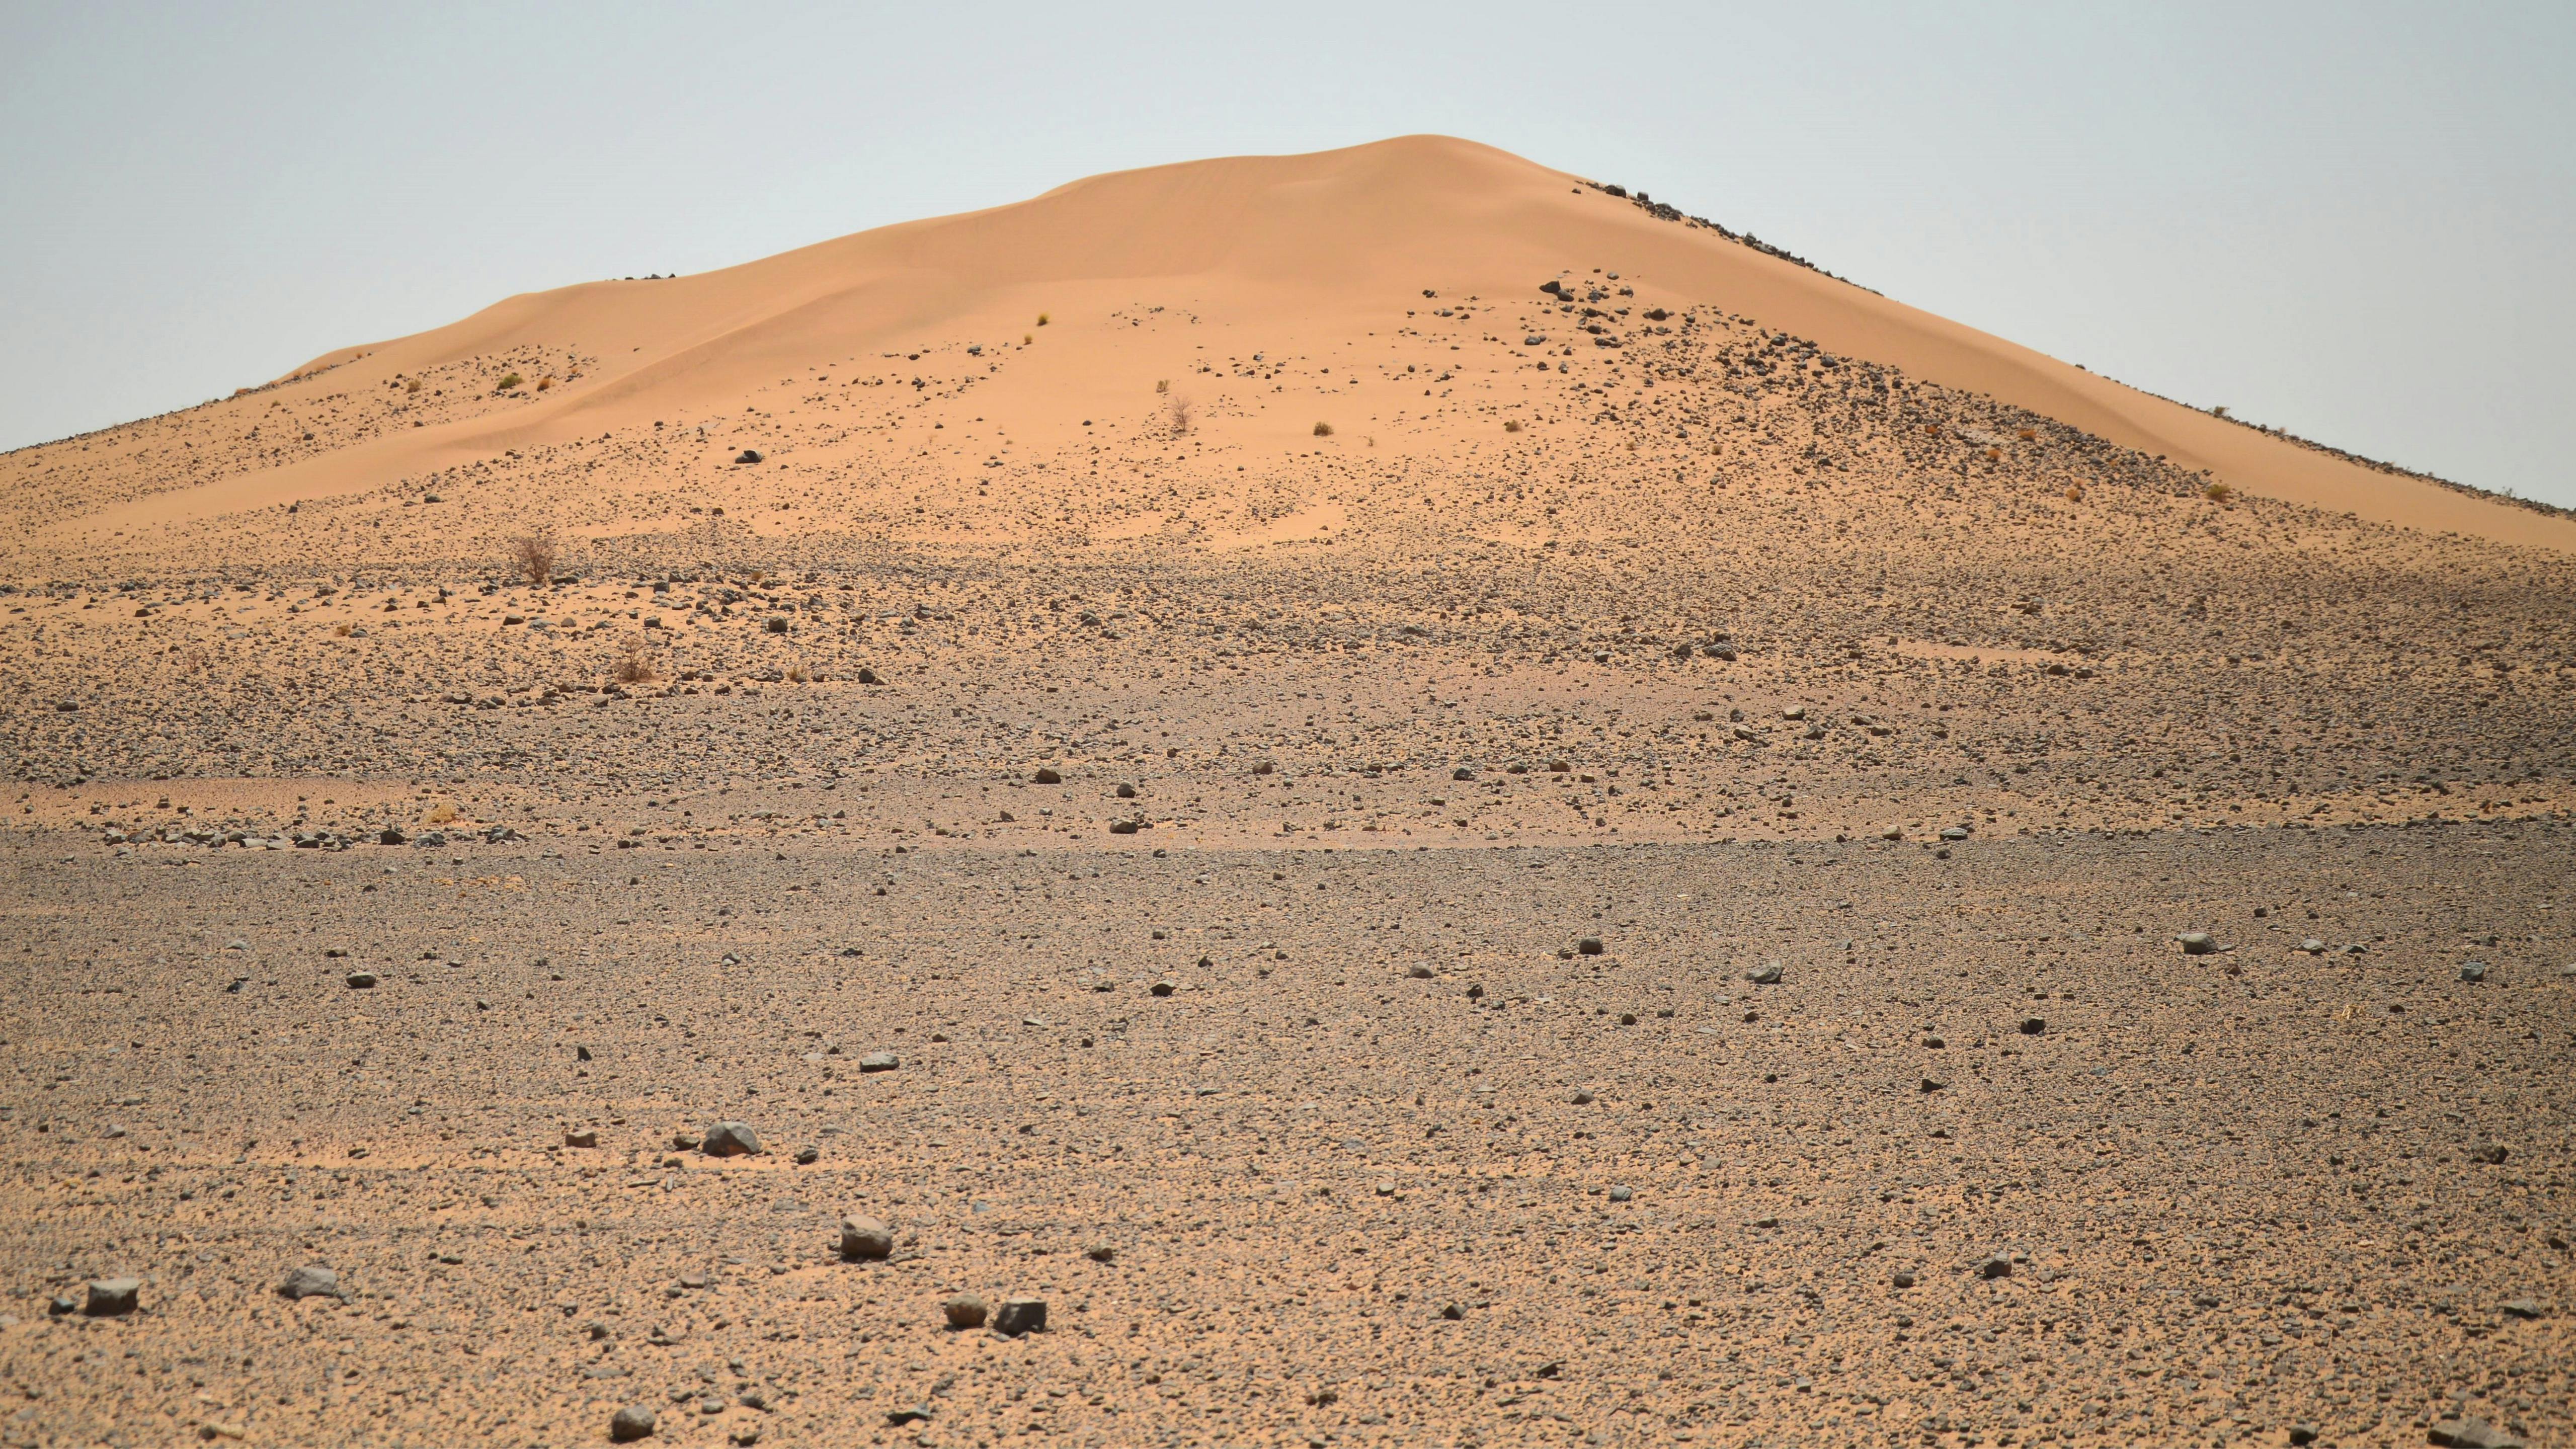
(1101, 1253)
(917, 1414)
(1453, 1311)
(1622, 1193)
(868, 676)
(1588, 946)
(964, 1311)
(1995, 1267)
(1126, 792)
(582, 1137)
(361, 980)
(1901, 1280)
(2303, 1434)
(109, 1297)
(389, 836)
(2473, 971)
(2032, 1026)
(310, 1281)
(1163, 988)
(1020, 1315)
(730, 1139)
(2522, 1308)
(2491, 1152)
(1047, 776)
(1933, 1084)
(1766, 974)
(631, 1423)
(808, 1156)
(865, 1239)
(879, 1062)
(2197, 943)
(748, 455)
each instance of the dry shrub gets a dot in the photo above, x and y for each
(1027, 337)
(1042, 319)
(1323, 430)
(439, 814)
(634, 663)
(412, 386)
(2029, 434)
(508, 381)
(2218, 493)
(2074, 492)
(1180, 409)
(1994, 455)
(534, 555)
(1162, 384)
(1513, 426)
(797, 675)
(544, 382)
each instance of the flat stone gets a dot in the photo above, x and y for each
(879, 1062)
(109, 1297)
(361, 980)
(2197, 943)
(310, 1281)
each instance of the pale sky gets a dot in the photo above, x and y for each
(2351, 220)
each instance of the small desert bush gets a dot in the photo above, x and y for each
(2074, 492)
(412, 386)
(544, 382)
(534, 556)
(2028, 434)
(1513, 426)
(2218, 493)
(1027, 337)
(634, 663)
(1323, 430)
(1179, 408)
(1163, 384)
(508, 381)
(1042, 319)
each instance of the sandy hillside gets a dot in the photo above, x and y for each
(1465, 811)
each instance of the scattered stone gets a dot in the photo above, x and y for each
(2490, 1152)
(917, 1414)
(1766, 974)
(582, 1137)
(1020, 1315)
(1163, 988)
(1419, 973)
(109, 1297)
(864, 1239)
(1588, 946)
(1622, 1193)
(730, 1139)
(2033, 1026)
(2473, 971)
(1893, 832)
(964, 1311)
(361, 980)
(748, 455)
(1954, 832)
(1933, 1084)
(1101, 1253)
(310, 1281)
(1902, 1280)
(1453, 1311)
(2313, 946)
(1581, 1098)
(1997, 1266)
(2303, 1434)
(879, 1062)
(2197, 943)
(631, 1423)
(2522, 1308)
(1047, 776)
(808, 1156)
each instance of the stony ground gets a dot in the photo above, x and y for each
(1392, 1162)
(1210, 830)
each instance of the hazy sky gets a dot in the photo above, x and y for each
(2352, 220)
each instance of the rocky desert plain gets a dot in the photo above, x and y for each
(1379, 798)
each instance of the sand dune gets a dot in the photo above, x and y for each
(1296, 255)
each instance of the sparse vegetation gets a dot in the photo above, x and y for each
(1042, 319)
(2074, 492)
(412, 386)
(1323, 430)
(534, 555)
(544, 382)
(1513, 426)
(634, 662)
(1179, 410)
(2218, 493)
(1163, 384)
(508, 381)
